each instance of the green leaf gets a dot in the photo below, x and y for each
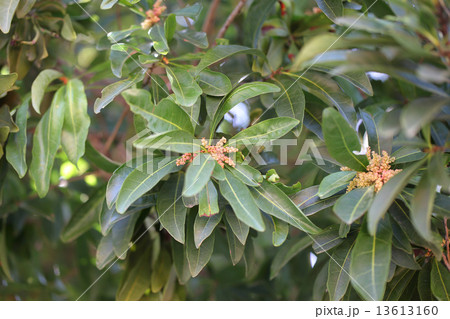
(180, 262)
(354, 204)
(7, 81)
(327, 239)
(270, 129)
(280, 231)
(142, 179)
(310, 203)
(166, 116)
(157, 35)
(161, 271)
(84, 217)
(122, 232)
(189, 11)
(342, 140)
(339, 270)
(198, 174)
(204, 226)
(16, 148)
(76, 121)
(407, 154)
(170, 207)
(107, 4)
(176, 141)
(288, 251)
(170, 26)
(291, 100)
(24, 8)
(242, 202)
(331, 8)
(221, 52)
(67, 31)
(387, 195)
(275, 202)
(257, 14)
(111, 91)
(117, 36)
(183, 85)
(372, 131)
(39, 86)
(422, 205)
(440, 281)
(208, 200)
(137, 277)
(7, 9)
(414, 116)
(236, 248)
(424, 283)
(399, 284)
(238, 95)
(334, 183)
(4, 251)
(369, 266)
(197, 258)
(118, 56)
(214, 83)
(46, 141)
(403, 259)
(105, 252)
(198, 39)
(239, 229)
(248, 175)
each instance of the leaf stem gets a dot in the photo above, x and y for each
(230, 18)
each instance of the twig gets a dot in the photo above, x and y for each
(211, 15)
(113, 135)
(444, 7)
(447, 242)
(230, 18)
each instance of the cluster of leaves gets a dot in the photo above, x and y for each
(297, 73)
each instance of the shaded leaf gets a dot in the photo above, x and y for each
(39, 86)
(288, 251)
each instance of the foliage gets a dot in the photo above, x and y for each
(102, 162)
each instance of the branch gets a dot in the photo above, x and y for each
(230, 18)
(113, 135)
(207, 24)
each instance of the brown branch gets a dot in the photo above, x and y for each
(447, 242)
(211, 15)
(113, 135)
(230, 18)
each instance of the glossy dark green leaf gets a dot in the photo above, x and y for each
(198, 174)
(354, 204)
(115, 183)
(191, 11)
(170, 26)
(398, 284)
(288, 251)
(161, 271)
(214, 83)
(221, 52)
(98, 159)
(198, 39)
(309, 201)
(204, 226)
(403, 259)
(327, 239)
(170, 207)
(158, 36)
(121, 234)
(111, 91)
(197, 258)
(407, 154)
(331, 8)
(208, 200)
(183, 85)
(247, 174)
(180, 262)
(46, 141)
(176, 141)
(372, 131)
(142, 179)
(339, 270)
(76, 121)
(256, 15)
(342, 140)
(334, 183)
(117, 36)
(280, 231)
(239, 197)
(239, 229)
(388, 193)
(84, 217)
(105, 252)
(67, 31)
(16, 148)
(265, 131)
(371, 256)
(275, 202)
(39, 86)
(424, 283)
(236, 248)
(238, 95)
(440, 281)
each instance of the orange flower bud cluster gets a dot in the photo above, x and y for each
(217, 152)
(153, 15)
(378, 172)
